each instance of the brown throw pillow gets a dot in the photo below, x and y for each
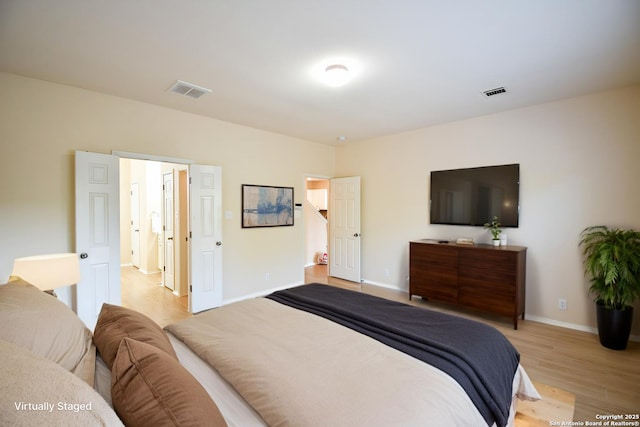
(115, 323)
(149, 388)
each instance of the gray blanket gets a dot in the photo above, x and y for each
(476, 355)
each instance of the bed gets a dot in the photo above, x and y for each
(314, 355)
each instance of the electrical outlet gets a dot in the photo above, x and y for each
(386, 272)
(267, 276)
(562, 304)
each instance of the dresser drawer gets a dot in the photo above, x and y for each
(481, 277)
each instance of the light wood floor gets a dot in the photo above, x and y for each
(146, 294)
(603, 381)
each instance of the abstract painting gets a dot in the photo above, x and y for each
(266, 206)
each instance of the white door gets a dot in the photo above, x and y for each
(168, 221)
(135, 225)
(344, 229)
(205, 225)
(97, 233)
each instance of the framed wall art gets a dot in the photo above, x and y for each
(266, 206)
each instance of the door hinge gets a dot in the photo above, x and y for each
(190, 235)
(190, 288)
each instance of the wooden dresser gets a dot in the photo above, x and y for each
(481, 277)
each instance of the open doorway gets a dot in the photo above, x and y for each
(316, 216)
(99, 230)
(153, 232)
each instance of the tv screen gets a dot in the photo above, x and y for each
(474, 196)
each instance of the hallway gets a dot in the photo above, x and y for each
(145, 293)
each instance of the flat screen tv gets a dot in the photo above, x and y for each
(473, 196)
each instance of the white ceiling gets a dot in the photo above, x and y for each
(416, 62)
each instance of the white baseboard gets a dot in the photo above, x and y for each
(261, 293)
(554, 322)
(573, 326)
(141, 270)
(383, 285)
(149, 272)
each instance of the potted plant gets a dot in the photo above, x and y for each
(612, 262)
(495, 231)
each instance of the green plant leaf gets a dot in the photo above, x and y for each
(612, 262)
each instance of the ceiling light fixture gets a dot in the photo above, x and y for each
(336, 75)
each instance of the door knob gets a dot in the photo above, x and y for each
(218, 243)
(169, 238)
(84, 255)
(356, 235)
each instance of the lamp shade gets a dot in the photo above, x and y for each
(48, 272)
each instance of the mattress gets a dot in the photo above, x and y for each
(295, 368)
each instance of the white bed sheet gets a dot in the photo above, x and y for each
(235, 410)
(102, 379)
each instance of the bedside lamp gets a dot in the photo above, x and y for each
(48, 272)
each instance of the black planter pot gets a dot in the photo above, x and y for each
(614, 326)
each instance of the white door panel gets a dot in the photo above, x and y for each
(168, 221)
(135, 225)
(97, 233)
(344, 224)
(205, 224)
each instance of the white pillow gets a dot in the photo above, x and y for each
(37, 392)
(39, 322)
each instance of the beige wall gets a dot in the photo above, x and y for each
(579, 167)
(42, 124)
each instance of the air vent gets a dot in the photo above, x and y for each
(188, 89)
(493, 92)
